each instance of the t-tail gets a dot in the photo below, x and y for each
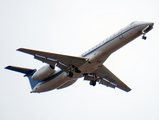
(28, 73)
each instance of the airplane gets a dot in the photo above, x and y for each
(62, 71)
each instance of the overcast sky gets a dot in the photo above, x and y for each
(72, 27)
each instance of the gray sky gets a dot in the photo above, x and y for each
(72, 27)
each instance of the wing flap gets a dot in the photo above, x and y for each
(107, 83)
(45, 60)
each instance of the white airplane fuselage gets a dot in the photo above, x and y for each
(97, 56)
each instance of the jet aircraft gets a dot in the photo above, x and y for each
(62, 71)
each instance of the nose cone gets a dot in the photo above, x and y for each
(150, 23)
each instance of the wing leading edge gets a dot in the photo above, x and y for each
(109, 79)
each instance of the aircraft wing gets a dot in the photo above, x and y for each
(109, 79)
(63, 61)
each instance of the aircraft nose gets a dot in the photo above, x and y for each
(151, 23)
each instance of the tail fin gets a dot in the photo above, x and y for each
(28, 73)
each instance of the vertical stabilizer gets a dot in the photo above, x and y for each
(28, 73)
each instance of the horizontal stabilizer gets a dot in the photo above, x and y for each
(28, 73)
(20, 69)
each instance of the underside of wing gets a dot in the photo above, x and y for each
(109, 79)
(62, 61)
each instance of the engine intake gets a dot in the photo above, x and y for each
(43, 73)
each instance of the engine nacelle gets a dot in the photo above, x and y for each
(43, 73)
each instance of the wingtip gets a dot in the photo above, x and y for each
(19, 49)
(128, 90)
(5, 67)
(8, 67)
